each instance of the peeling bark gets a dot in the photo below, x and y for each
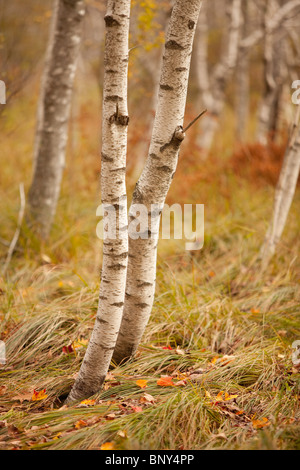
(53, 113)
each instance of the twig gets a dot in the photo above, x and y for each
(18, 229)
(194, 120)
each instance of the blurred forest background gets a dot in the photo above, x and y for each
(210, 304)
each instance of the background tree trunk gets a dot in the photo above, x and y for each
(53, 113)
(154, 183)
(113, 188)
(243, 79)
(221, 75)
(275, 73)
(284, 193)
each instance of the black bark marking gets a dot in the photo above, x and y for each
(113, 98)
(166, 87)
(137, 194)
(117, 304)
(154, 156)
(181, 69)
(101, 321)
(122, 170)
(110, 21)
(106, 158)
(142, 305)
(145, 284)
(165, 169)
(171, 44)
(116, 267)
(191, 24)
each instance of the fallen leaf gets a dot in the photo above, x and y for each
(37, 396)
(137, 409)
(68, 349)
(81, 424)
(141, 383)
(88, 402)
(260, 423)
(229, 397)
(255, 310)
(165, 382)
(107, 446)
(179, 351)
(181, 383)
(147, 398)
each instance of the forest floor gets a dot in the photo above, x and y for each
(214, 370)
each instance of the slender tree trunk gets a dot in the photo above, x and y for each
(284, 193)
(275, 73)
(115, 247)
(53, 112)
(222, 73)
(243, 80)
(154, 183)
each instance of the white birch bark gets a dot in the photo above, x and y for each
(154, 183)
(292, 8)
(284, 194)
(243, 79)
(275, 74)
(53, 113)
(113, 190)
(223, 71)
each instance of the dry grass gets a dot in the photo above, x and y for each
(209, 304)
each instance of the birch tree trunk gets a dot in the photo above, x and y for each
(243, 80)
(53, 112)
(113, 190)
(275, 73)
(153, 185)
(222, 73)
(284, 193)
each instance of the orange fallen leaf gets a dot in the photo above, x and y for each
(255, 310)
(88, 402)
(214, 360)
(165, 382)
(260, 423)
(107, 446)
(37, 396)
(141, 383)
(219, 397)
(81, 424)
